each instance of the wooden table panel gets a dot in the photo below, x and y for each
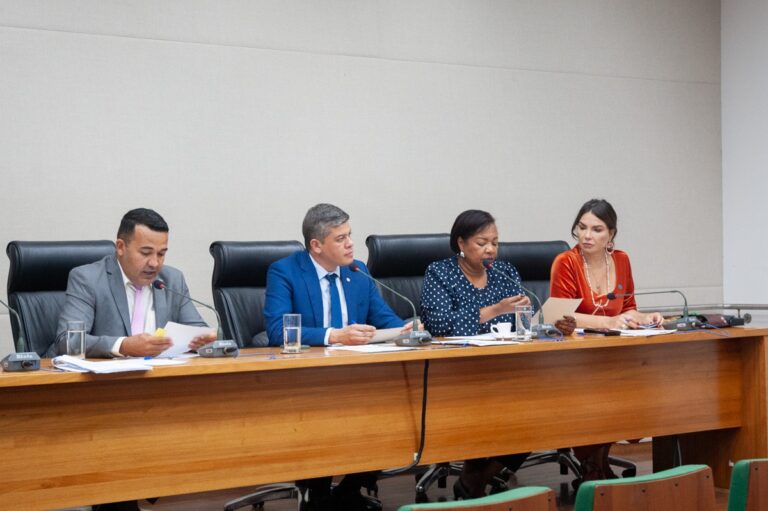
(78, 439)
(196, 433)
(497, 405)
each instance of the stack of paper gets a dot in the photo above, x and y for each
(78, 365)
(645, 332)
(371, 348)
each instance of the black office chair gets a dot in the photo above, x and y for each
(239, 285)
(533, 260)
(400, 261)
(37, 281)
(239, 291)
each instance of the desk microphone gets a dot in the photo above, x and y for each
(684, 323)
(19, 361)
(540, 330)
(160, 284)
(415, 337)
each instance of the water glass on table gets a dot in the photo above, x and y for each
(291, 333)
(523, 319)
(76, 339)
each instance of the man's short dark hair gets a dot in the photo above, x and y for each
(319, 221)
(140, 216)
(468, 224)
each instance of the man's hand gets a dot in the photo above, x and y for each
(144, 345)
(352, 334)
(409, 326)
(202, 340)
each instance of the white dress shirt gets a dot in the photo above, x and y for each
(325, 291)
(148, 303)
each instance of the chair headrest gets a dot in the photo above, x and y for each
(405, 255)
(45, 265)
(533, 259)
(245, 263)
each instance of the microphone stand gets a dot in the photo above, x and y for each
(415, 337)
(20, 360)
(684, 323)
(541, 329)
(160, 284)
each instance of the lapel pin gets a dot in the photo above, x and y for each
(348, 279)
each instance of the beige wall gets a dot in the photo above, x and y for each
(745, 152)
(231, 118)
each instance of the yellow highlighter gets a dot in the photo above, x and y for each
(160, 332)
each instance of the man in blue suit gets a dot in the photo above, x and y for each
(337, 306)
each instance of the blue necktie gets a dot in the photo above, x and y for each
(335, 301)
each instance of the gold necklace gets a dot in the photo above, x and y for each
(595, 304)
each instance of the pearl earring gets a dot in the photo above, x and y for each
(461, 254)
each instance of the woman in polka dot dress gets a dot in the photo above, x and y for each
(461, 298)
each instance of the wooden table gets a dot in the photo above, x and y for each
(74, 439)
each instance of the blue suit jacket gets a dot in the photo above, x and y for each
(293, 287)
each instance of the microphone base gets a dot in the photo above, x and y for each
(18, 362)
(219, 349)
(414, 339)
(545, 331)
(682, 324)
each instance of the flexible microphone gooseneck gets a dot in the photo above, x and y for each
(160, 284)
(19, 361)
(21, 342)
(415, 336)
(684, 323)
(542, 328)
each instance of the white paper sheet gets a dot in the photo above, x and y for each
(473, 341)
(645, 332)
(480, 337)
(371, 348)
(385, 334)
(154, 362)
(181, 335)
(555, 308)
(78, 365)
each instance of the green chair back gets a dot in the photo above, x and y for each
(749, 486)
(527, 498)
(685, 488)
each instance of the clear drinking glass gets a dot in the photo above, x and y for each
(76, 339)
(291, 333)
(523, 319)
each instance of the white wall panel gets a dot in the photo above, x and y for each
(235, 140)
(745, 152)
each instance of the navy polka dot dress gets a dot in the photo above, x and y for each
(450, 304)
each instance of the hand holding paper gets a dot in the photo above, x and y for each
(183, 337)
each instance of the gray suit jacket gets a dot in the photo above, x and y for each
(96, 295)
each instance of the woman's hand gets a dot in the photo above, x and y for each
(567, 324)
(654, 318)
(620, 322)
(507, 305)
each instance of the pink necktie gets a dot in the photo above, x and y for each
(137, 322)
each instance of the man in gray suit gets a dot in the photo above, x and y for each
(115, 297)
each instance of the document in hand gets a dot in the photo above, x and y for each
(556, 308)
(78, 365)
(181, 335)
